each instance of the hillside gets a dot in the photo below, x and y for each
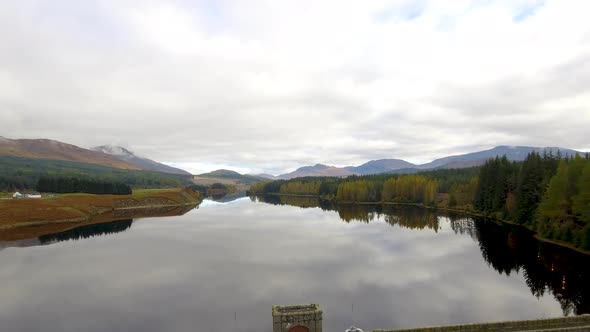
(23, 173)
(22, 219)
(127, 156)
(55, 150)
(231, 175)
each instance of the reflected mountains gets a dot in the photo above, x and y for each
(547, 268)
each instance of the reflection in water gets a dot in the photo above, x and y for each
(507, 248)
(226, 198)
(87, 231)
(222, 267)
(158, 211)
(546, 268)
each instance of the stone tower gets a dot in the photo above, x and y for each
(297, 318)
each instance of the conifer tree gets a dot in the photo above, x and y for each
(581, 201)
(530, 188)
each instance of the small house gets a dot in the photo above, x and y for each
(17, 195)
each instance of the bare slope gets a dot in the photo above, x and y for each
(125, 155)
(50, 149)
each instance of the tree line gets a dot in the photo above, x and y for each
(547, 193)
(412, 188)
(81, 185)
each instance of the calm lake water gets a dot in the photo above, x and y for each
(222, 266)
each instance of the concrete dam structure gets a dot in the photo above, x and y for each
(297, 318)
(308, 318)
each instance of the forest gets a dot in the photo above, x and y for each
(24, 173)
(78, 185)
(423, 188)
(549, 194)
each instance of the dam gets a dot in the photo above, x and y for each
(308, 318)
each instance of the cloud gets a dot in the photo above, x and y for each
(272, 86)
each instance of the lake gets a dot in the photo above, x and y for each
(222, 266)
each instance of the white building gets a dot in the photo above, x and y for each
(17, 195)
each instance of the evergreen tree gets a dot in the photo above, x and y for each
(555, 205)
(581, 201)
(530, 188)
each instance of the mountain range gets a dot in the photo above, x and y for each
(106, 155)
(516, 153)
(122, 158)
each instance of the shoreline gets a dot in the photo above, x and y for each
(447, 209)
(25, 218)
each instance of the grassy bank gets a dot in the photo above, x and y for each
(18, 216)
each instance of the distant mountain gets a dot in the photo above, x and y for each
(516, 153)
(228, 176)
(55, 150)
(143, 163)
(316, 170)
(380, 166)
(265, 176)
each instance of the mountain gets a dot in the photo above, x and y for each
(227, 176)
(265, 176)
(516, 153)
(23, 173)
(316, 170)
(379, 166)
(55, 150)
(143, 163)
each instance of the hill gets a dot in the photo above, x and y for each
(125, 155)
(316, 170)
(23, 173)
(55, 150)
(231, 175)
(242, 182)
(380, 166)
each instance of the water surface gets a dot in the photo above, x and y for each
(221, 268)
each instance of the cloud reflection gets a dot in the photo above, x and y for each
(198, 270)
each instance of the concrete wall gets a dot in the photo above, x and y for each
(574, 323)
(286, 317)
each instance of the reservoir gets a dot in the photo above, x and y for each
(223, 266)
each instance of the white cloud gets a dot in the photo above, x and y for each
(275, 85)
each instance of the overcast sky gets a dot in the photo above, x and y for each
(269, 85)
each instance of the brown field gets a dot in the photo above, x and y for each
(26, 218)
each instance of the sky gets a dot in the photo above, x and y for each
(269, 86)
